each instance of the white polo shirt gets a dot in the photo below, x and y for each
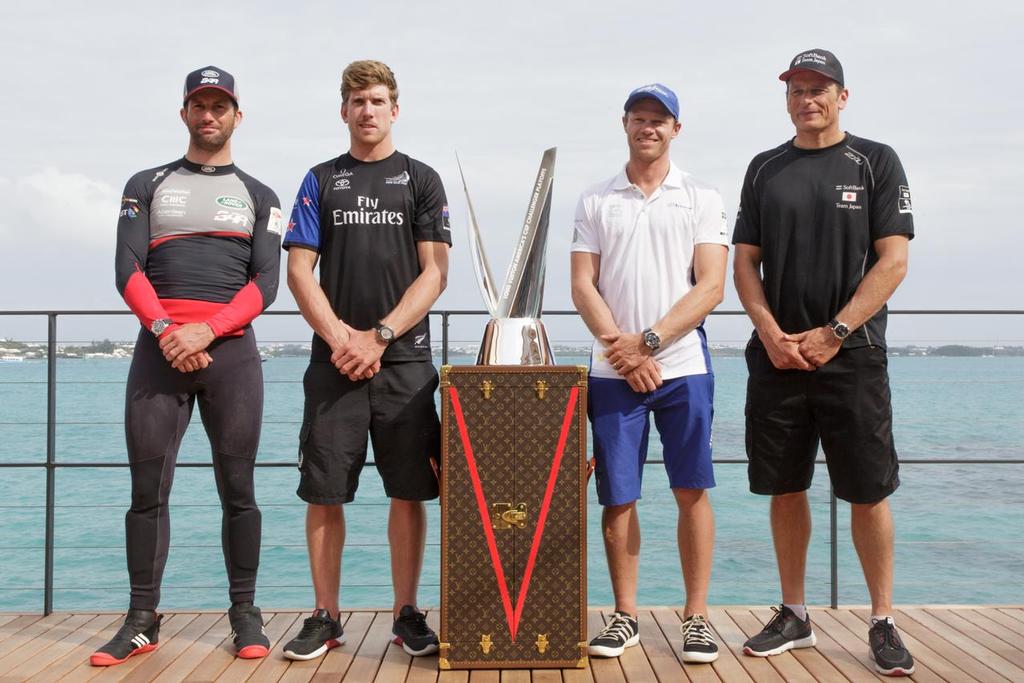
(646, 247)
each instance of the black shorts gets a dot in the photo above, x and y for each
(396, 408)
(845, 403)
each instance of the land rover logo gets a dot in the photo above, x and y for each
(210, 73)
(232, 202)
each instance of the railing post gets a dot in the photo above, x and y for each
(444, 338)
(51, 456)
(833, 512)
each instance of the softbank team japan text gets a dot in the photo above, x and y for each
(367, 214)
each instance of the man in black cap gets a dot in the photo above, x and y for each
(197, 260)
(821, 244)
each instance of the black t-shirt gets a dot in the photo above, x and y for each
(364, 219)
(815, 214)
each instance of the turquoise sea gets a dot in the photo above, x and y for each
(958, 526)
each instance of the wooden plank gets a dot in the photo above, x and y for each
(923, 650)
(733, 637)
(29, 632)
(55, 651)
(279, 632)
(452, 676)
(277, 626)
(396, 662)
(368, 657)
(336, 662)
(858, 629)
(726, 667)
(786, 664)
(7, 618)
(1003, 619)
(1016, 613)
(813, 661)
(494, 676)
(634, 663)
(961, 660)
(548, 675)
(970, 645)
(97, 632)
(983, 619)
(18, 623)
(218, 657)
(583, 675)
(994, 643)
(424, 669)
(299, 671)
(833, 639)
(170, 649)
(661, 639)
(197, 651)
(604, 669)
(42, 644)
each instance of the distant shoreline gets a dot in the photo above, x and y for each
(13, 351)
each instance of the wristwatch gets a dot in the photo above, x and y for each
(651, 339)
(841, 330)
(385, 333)
(157, 327)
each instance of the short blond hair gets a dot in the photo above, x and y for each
(367, 73)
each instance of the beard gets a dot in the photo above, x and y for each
(211, 142)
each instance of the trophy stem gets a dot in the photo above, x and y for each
(515, 341)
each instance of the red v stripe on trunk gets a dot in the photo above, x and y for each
(513, 617)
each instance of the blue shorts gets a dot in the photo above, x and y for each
(619, 417)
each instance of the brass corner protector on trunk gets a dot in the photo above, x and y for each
(583, 370)
(445, 382)
(442, 658)
(582, 663)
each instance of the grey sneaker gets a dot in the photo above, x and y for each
(890, 656)
(622, 631)
(784, 632)
(698, 642)
(319, 634)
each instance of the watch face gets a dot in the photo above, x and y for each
(651, 339)
(386, 333)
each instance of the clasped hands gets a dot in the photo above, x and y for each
(631, 358)
(185, 346)
(807, 350)
(358, 356)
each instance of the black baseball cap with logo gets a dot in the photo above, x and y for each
(210, 77)
(817, 60)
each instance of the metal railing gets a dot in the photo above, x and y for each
(51, 463)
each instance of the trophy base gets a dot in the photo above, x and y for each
(515, 341)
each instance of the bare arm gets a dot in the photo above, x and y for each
(585, 270)
(363, 349)
(312, 301)
(783, 351)
(820, 345)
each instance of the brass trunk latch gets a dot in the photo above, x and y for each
(542, 642)
(485, 643)
(487, 387)
(505, 516)
(541, 387)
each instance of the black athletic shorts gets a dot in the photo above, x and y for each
(845, 403)
(396, 408)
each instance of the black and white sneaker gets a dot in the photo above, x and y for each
(247, 630)
(698, 642)
(622, 631)
(785, 631)
(412, 633)
(140, 633)
(319, 634)
(890, 656)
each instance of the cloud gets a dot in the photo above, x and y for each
(51, 207)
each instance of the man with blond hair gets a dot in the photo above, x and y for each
(377, 221)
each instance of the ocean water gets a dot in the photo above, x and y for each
(958, 527)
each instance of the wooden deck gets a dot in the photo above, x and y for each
(967, 643)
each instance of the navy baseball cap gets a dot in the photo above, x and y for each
(654, 91)
(817, 60)
(210, 77)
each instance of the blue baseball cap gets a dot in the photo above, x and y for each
(211, 77)
(654, 91)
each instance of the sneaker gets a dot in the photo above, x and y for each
(412, 633)
(140, 633)
(622, 631)
(785, 631)
(888, 653)
(250, 637)
(319, 634)
(698, 642)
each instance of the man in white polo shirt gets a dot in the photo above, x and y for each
(648, 265)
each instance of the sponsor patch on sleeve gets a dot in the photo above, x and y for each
(275, 221)
(903, 201)
(445, 219)
(129, 207)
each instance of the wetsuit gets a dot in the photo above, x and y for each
(195, 243)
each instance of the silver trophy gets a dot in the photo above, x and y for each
(515, 334)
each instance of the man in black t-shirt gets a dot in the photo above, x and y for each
(821, 244)
(377, 221)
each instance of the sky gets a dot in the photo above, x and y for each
(91, 93)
